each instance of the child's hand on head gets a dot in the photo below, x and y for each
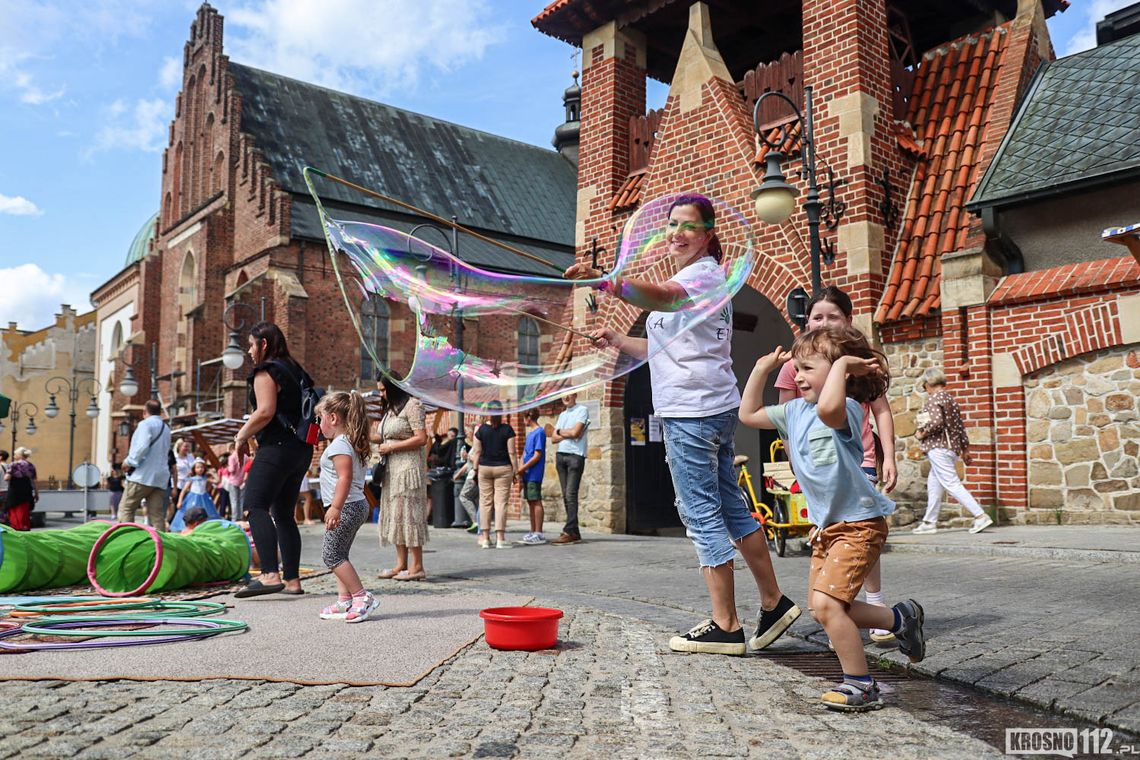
(859, 367)
(769, 362)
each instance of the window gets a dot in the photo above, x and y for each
(528, 343)
(374, 327)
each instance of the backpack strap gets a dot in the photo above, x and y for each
(300, 383)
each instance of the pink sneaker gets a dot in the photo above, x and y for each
(337, 610)
(362, 607)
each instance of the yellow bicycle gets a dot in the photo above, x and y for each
(787, 515)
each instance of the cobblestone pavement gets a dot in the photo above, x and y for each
(612, 688)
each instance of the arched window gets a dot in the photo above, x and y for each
(374, 327)
(528, 343)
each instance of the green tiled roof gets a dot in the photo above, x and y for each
(141, 244)
(518, 193)
(1078, 125)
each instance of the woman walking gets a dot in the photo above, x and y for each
(403, 493)
(695, 394)
(943, 438)
(281, 462)
(22, 490)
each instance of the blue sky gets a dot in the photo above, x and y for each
(87, 93)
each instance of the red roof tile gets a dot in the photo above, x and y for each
(629, 194)
(953, 87)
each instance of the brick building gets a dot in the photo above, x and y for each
(237, 225)
(912, 101)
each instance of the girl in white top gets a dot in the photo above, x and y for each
(695, 394)
(344, 422)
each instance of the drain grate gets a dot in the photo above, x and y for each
(826, 665)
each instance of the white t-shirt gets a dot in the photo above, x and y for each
(692, 375)
(340, 446)
(568, 419)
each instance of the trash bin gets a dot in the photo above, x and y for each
(442, 497)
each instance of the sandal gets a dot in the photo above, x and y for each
(390, 573)
(406, 576)
(849, 697)
(257, 588)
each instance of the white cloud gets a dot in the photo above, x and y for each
(33, 296)
(18, 206)
(1091, 12)
(170, 75)
(359, 45)
(141, 126)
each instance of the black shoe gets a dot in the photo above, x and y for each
(912, 641)
(257, 588)
(710, 638)
(772, 623)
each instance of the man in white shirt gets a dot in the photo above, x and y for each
(570, 461)
(148, 472)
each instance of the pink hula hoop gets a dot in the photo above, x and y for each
(158, 552)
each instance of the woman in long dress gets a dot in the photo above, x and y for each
(403, 494)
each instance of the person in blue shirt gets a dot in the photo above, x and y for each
(836, 372)
(147, 468)
(531, 470)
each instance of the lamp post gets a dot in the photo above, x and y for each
(57, 385)
(14, 415)
(453, 249)
(775, 198)
(234, 356)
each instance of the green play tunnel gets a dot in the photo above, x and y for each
(132, 560)
(46, 558)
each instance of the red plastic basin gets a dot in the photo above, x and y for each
(526, 628)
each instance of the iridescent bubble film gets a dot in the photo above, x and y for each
(525, 339)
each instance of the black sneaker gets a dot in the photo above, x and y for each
(772, 623)
(911, 640)
(710, 638)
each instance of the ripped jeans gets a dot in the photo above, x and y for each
(710, 503)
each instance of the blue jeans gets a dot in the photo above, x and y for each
(710, 503)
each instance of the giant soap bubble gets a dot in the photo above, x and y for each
(546, 320)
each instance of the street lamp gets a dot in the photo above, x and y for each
(234, 356)
(453, 249)
(56, 385)
(14, 415)
(775, 198)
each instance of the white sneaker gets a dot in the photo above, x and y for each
(533, 539)
(502, 545)
(484, 544)
(926, 527)
(981, 523)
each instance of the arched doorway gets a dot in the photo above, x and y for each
(758, 327)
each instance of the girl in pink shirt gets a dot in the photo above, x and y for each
(831, 307)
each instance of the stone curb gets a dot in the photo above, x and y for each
(1021, 552)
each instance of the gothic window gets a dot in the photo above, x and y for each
(528, 343)
(374, 327)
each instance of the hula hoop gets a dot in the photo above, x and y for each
(158, 552)
(68, 627)
(144, 606)
(68, 606)
(12, 648)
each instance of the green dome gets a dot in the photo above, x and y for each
(141, 244)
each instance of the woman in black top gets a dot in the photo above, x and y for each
(497, 461)
(281, 463)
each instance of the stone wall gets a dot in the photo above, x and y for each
(908, 359)
(1083, 431)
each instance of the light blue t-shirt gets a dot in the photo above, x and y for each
(568, 419)
(829, 463)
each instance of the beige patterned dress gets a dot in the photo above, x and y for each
(403, 495)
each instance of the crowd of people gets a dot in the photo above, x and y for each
(832, 415)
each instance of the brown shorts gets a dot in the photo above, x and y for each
(842, 554)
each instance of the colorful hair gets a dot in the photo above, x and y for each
(350, 408)
(834, 342)
(708, 216)
(833, 295)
